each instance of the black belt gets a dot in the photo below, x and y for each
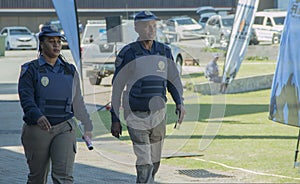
(148, 112)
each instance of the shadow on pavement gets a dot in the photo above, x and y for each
(14, 170)
(13, 166)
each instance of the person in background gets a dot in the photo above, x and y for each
(146, 68)
(37, 36)
(212, 70)
(50, 96)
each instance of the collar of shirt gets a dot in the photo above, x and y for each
(154, 48)
(55, 68)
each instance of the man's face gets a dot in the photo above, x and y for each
(146, 29)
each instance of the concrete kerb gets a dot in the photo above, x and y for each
(239, 85)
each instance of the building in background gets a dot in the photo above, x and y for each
(282, 4)
(32, 13)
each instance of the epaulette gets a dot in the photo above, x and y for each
(161, 48)
(123, 51)
(24, 68)
(35, 63)
(121, 55)
(137, 48)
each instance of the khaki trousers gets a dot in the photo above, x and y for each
(57, 145)
(147, 132)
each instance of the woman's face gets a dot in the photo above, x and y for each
(146, 29)
(51, 46)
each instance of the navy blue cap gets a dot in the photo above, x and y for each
(49, 30)
(145, 16)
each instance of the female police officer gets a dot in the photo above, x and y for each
(50, 95)
(147, 69)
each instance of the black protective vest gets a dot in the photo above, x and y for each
(148, 80)
(54, 92)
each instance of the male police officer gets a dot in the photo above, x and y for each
(146, 68)
(50, 95)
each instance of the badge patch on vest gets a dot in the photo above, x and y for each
(161, 66)
(45, 81)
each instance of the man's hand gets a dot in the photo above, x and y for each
(88, 133)
(180, 111)
(43, 123)
(87, 137)
(116, 129)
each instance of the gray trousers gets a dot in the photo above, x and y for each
(57, 145)
(147, 132)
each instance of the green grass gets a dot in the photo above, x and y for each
(247, 139)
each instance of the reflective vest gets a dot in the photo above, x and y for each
(54, 92)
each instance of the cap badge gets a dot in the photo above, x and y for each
(53, 28)
(148, 13)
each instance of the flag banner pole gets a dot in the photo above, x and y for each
(66, 11)
(296, 164)
(239, 40)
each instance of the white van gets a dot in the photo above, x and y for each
(268, 26)
(98, 55)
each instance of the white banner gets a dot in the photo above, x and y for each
(67, 14)
(285, 97)
(239, 39)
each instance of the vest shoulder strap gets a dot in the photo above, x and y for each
(35, 63)
(161, 49)
(69, 68)
(135, 46)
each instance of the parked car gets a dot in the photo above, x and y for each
(204, 13)
(268, 25)
(18, 38)
(59, 26)
(186, 27)
(179, 55)
(219, 27)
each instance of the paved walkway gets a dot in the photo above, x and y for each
(102, 165)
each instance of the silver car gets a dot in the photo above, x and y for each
(219, 27)
(186, 27)
(19, 38)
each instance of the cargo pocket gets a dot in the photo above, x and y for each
(72, 124)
